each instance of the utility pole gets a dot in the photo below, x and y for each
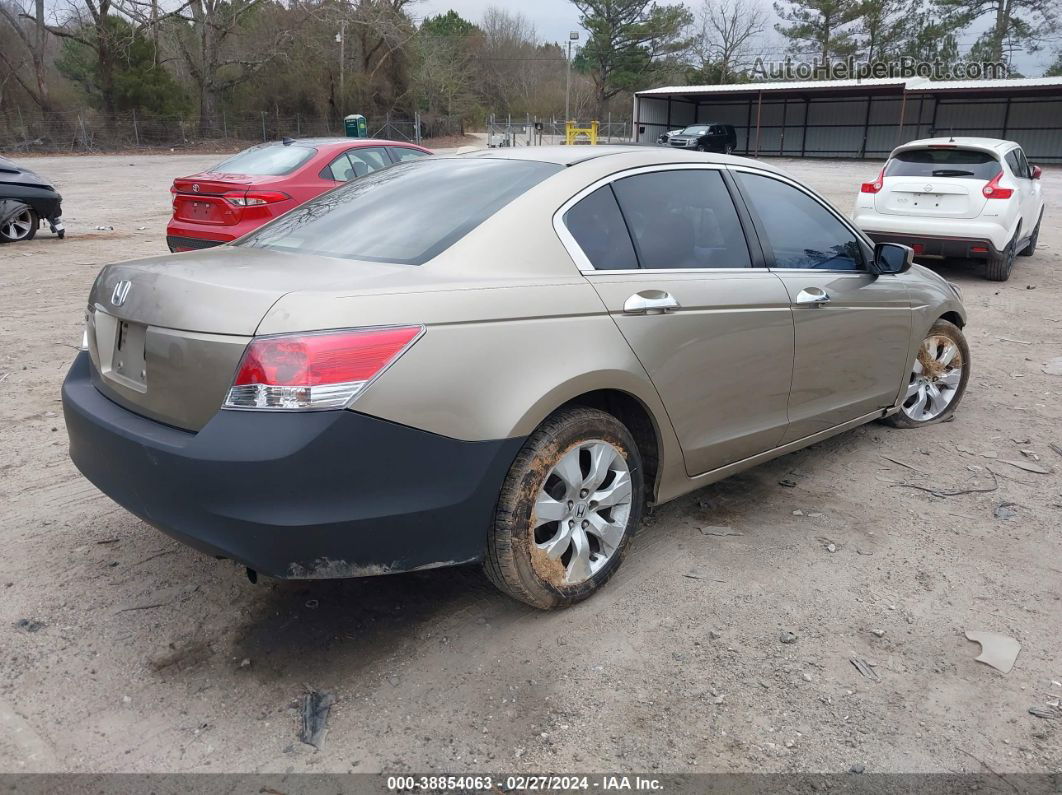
(573, 36)
(341, 37)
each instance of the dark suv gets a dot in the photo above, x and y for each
(706, 138)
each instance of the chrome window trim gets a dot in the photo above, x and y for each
(575, 251)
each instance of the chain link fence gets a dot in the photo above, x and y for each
(90, 131)
(535, 131)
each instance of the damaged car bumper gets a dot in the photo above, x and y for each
(305, 495)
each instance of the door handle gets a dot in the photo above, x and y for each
(813, 296)
(650, 302)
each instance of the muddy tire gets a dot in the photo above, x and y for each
(1030, 247)
(937, 380)
(998, 266)
(567, 511)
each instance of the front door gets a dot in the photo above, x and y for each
(853, 328)
(714, 333)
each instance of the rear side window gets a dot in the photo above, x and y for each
(272, 160)
(405, 214)
(400, 153)
(965, 163)
(356, 163)
(683, 219)
(801, 232)
(598, 228)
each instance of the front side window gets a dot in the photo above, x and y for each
(962, 163)
(404, 214)
(270, 160)
(682, 219)
(598, 227)
(1023, 164)
(800, 231)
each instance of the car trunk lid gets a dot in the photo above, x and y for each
(166, 334)
(200, 198)
(932, 197)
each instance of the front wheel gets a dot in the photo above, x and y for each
(20, 226)
(567, 510)
(937, 380)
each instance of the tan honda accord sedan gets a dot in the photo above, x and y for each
(498, 358)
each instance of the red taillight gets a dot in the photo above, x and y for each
(253, 198)
(991, 190)
(875, 186)
(326, 370)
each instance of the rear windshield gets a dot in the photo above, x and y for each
(266, 161)
(943, 163)
(407, 213)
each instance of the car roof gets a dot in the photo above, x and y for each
(319, 143)
(623, 154)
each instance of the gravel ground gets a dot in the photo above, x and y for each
(121, 650)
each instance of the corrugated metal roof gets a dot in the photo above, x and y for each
(772, 86)
(953, 85)
(910, 84)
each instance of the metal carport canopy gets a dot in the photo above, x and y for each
(881, 113)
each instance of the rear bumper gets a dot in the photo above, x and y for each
(305, 495)
(935, 246)
(952, 232)
(179, 243)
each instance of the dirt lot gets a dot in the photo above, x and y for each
(142, 655)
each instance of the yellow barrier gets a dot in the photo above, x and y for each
(571, 132)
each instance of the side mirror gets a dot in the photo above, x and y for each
(893, 258)
(1036, 172)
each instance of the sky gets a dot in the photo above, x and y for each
(553, 19)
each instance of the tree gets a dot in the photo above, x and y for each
(628, 41)
(139, 81)
(819, 27)
(1015, 24)
(729, 30)
(35, 43)
(445, 76)
(1055, 69)
(881, 29)
(927, 36)
(203, 31)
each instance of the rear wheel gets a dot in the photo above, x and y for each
(938, 378)
(567, 510)
(999, 266)
(21, 226)
(1030, 249)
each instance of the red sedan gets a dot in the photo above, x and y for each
(263, 182)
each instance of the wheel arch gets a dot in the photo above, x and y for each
(953, 317)
(626, 400)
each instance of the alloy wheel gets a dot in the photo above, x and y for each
(935, 378)
(18, 226)
(582, 511)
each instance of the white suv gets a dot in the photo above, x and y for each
(975, 198)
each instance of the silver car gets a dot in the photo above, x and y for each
(498, 358)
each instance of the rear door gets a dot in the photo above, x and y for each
(853, 328)
(713, 331)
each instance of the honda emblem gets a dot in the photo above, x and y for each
(121, 290)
